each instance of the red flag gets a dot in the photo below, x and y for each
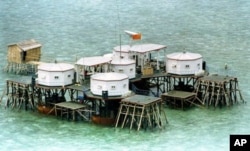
(134, 35)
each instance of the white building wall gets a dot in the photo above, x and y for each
(114, 88)
(129, 69)
(68, 77)
(118, 55)
(171, 66)
(97, 87)
(43, 77)
(55, 78)
(183, 67)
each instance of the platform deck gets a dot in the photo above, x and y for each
(141, 100)
(184, 97)
(217, 78)
(141, 111)
(71, 108)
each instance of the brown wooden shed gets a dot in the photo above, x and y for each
(25, 51)
(23, 57)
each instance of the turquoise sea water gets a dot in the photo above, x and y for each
(218, 30)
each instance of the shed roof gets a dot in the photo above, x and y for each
(184, 56)
(93, 61)
(109, 76)
(143, 48)
(140, 48)
(141, 99)
(55, 67)
(28, 45)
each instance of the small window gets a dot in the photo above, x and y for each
(56, 77)
(173, 66)
(120, 70)
(112, 87)
(187, 66)
(69, 76)
(131, 70)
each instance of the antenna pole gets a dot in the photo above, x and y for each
(120, 45)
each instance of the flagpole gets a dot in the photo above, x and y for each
(120, 45)
(119, 26)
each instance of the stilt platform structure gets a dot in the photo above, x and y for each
(180, 99)
(53, 99)
(23, 57)
(217, 90)
(46, 99)
(19, 94)
(157, 84)
(72, 110)
(105, 107)
(139, 111)
(178, 81)
(25, 93)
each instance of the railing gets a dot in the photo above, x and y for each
(140, 91)
(144, 92)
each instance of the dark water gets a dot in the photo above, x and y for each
(218, 30)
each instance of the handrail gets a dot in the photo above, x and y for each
(139, 91)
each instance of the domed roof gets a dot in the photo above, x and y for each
(122, 48)
(109, 76)
(93, 61)
(184, 56)
(108, 55)
(55, 66)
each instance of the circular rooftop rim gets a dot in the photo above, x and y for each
(184, 56)
(55, 67)
(109, 76)
(122, 48)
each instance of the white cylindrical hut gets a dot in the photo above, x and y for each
(55, 74)
(124, 66)
(183, 63)
(89, 65)
(121, 61)
(121, 52)
(115, 84)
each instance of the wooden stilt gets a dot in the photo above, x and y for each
(140, 119)
(140, 111)
(133, 116)
(218, 90)
(3, 94)
(125, 117)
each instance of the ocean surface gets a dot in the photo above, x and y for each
(70, 29)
